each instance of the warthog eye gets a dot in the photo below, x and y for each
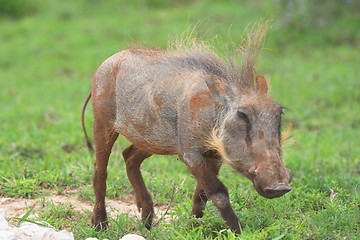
(243, 116)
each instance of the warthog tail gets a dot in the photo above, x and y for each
(88, 142)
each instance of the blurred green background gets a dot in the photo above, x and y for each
(50, 49)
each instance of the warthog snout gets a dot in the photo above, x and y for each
(277, 190)
(271, 182)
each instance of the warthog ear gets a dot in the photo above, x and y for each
(218, 89)
(261, 84)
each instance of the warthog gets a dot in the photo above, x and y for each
(189, 102)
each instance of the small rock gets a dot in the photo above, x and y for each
(5, 235)
(3, 223)
(30, 231)
(38, 232)
(132, 237)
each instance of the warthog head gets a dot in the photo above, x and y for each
(248, 135)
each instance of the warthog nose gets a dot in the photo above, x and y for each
(277, 190)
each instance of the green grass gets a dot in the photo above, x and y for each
(49, 51)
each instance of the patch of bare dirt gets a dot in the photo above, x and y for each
(17, 207)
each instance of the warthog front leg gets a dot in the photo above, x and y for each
(217, 193)
(133, 158)
(199, 202)
(200, 198)
(104, 139)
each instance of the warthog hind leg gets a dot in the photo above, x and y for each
(104, 139)
(133, 158)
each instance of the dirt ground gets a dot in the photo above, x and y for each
(16, 207)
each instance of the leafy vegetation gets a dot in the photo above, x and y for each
(50, 49)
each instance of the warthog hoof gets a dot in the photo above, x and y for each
(99, 221)
(147, 216)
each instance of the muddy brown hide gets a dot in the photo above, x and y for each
(192, 104)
